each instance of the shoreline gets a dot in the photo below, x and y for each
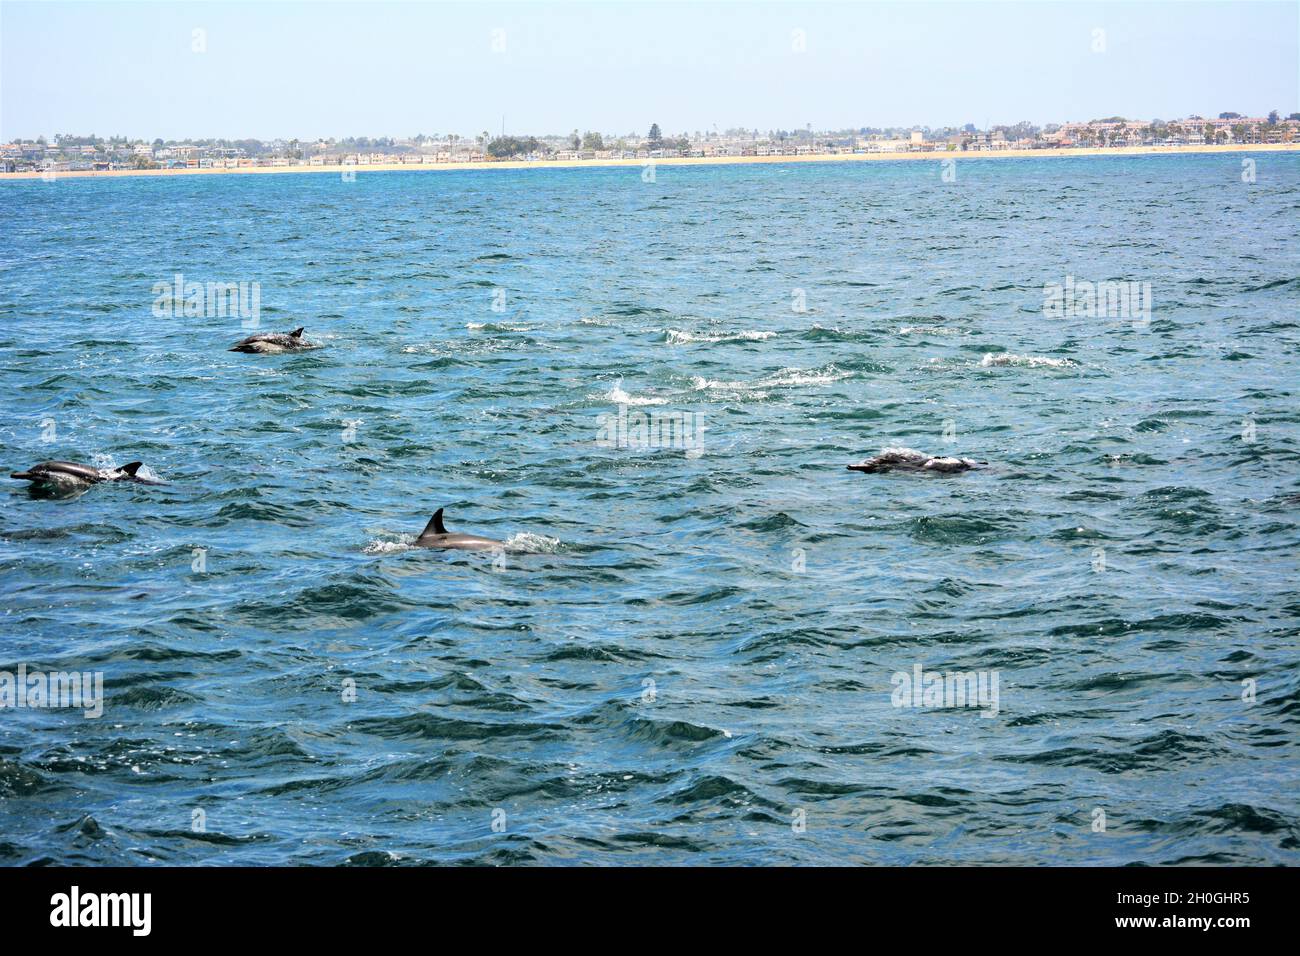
(933, 156)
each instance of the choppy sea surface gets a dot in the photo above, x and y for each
(678, 658)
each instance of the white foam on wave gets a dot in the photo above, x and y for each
(678, 337)
(930, 330)
(1027, 361)
(497, 327)
(619, 397)
(530, 543)
(785, 378)
(701, 384)
(800, 376)
(381, 546)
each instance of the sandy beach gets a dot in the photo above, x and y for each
(677, 161)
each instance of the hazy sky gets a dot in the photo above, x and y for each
(336, 69)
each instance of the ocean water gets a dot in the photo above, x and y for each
(688, 651)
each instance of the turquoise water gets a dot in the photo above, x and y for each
(679, 657)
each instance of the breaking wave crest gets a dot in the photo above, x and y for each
(992, 360)
(678, 337)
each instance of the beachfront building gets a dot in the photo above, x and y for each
(885, 145)
(1191, 131)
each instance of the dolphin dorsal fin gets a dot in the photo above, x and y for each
(435, 525)
(132, 468)
(297, 333)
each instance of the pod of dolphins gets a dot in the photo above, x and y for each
(65, 477)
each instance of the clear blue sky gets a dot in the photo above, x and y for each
(337, 69)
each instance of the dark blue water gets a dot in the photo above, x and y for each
(678, 658)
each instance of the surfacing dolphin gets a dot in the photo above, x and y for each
(270, 343)
(906, 459)
(69, 476)
(435, 535)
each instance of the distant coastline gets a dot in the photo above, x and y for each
(929, 155)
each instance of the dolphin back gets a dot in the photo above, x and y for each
(56, 470)
(436, 535)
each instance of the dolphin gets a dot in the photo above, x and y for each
(270, 343)
(905, 459)
(69, 476)
(435, 535)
